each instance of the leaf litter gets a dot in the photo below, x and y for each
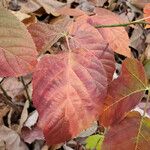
(46, 12)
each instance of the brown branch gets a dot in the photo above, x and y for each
(26, 88)
(8, 100)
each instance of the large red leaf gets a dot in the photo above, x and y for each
(132, 133)
(17, 49)
(125, 92)
(69, 88)
(90, 39)
(117, 37)
(45, 35)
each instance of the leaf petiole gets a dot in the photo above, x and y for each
(140, 21)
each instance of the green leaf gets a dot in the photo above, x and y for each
(94, 142)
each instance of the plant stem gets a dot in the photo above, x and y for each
(120, 25)
(2, 80)
(25, 87)
(8, 99)
(140, 21)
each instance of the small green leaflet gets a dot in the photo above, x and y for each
(94, 142)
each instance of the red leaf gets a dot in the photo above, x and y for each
(117, 37)
(69, 88)
(17, 49)
(45, 35)
(70, 11)
(128, 134)
(90, 39)
(125, 92)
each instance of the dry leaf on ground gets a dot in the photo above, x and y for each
(12, 139)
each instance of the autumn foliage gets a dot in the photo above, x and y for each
(73, 86)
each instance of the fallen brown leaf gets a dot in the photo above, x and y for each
(11, 139)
